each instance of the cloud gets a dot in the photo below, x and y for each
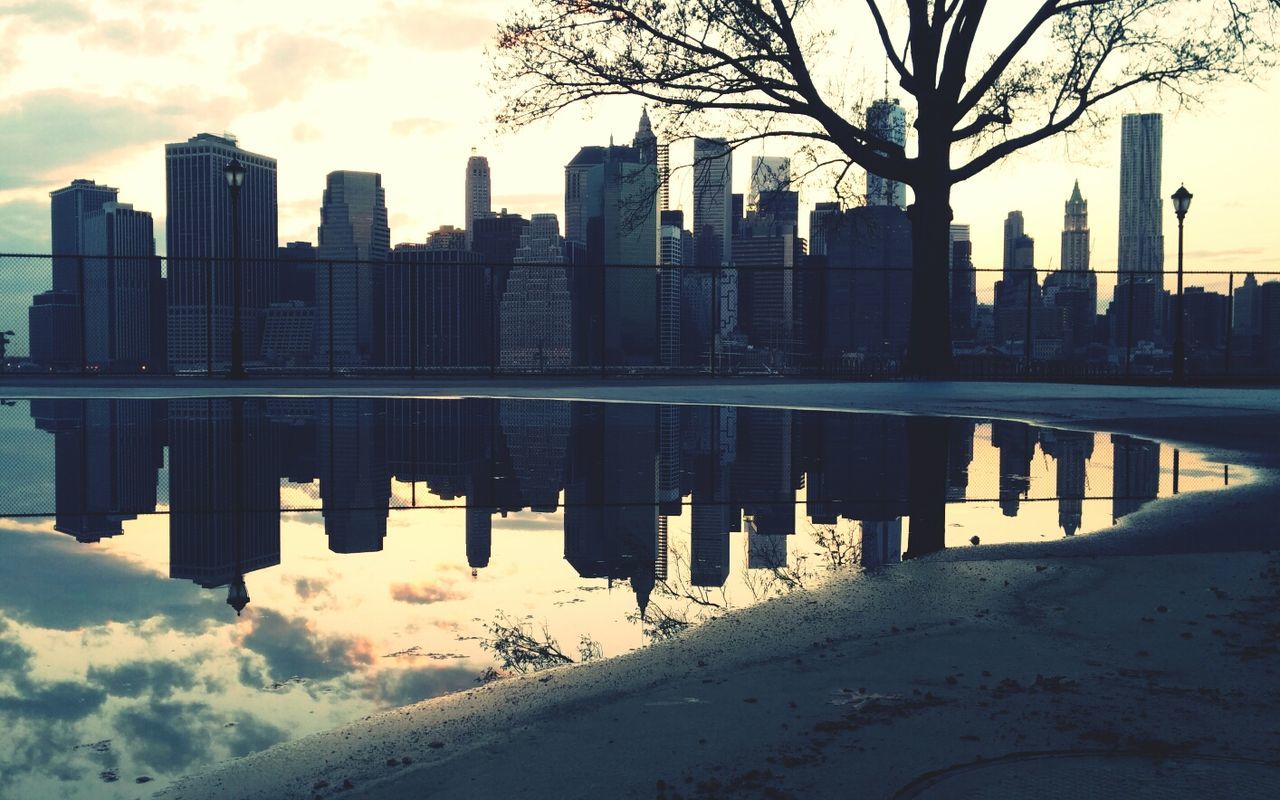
(288, 63)
(418, 126)
(47, 13)
(437, 28)
(44, 134)
(24, 228)
(1224, 254)
(293, 648)
(424, 593)
(132, 37)
(305, 132)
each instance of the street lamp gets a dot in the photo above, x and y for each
(1181, 202)
(234, 173)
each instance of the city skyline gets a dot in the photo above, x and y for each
(138, 109)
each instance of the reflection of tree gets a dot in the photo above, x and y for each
(519, 648)
(835, 552)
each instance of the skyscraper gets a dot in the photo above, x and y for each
(198, 232)
(1074, 286)
(54, 317)
(69, 207)
(964, 289)
(887, 120)
(768, 174)
(821, 214)
(713, 222)
(1141, 236)
(124, 294)
(1013, 232)
(354, 230)
(713, 201)
(1075, 233)
(655, 152)
(477, 201)
(437, 309)
(534, 317)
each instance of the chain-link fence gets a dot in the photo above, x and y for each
(435, 313)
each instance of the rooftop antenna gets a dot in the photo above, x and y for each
(886, 80)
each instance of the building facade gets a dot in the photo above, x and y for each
(477, 201)
(888, 120)
(123, 291)
(199, 238)
(354, 240)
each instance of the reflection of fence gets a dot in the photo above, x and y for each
(417, 314)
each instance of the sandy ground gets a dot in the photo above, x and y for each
(980, 672)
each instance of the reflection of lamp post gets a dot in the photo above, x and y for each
(4, 346)
(234, 172)
(238, 594)
(1181, 202)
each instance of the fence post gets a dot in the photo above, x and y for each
(84, 351)
(1128, 341)
(492, 277)
(715, 321)
(1231, 303)
(1029, 343)
(604, 318)
(413, 320)
(330, 326)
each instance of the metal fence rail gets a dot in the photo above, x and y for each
(417, 316)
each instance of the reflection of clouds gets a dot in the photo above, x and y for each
(308, 588)
(292, 647)
(172, 737)
(399, 687)
(160, 679)
(96, 590)
(529, 521)
(425, 593)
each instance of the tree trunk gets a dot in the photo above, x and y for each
(929, 344)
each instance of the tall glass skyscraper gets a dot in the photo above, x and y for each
(354, 240)
(124, 301)
(68, 208)
(713, 221)
(198, 232)
(1141, 228)
(887, 119)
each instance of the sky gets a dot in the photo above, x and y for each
(403, 87)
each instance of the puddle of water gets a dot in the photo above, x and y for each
(187, 581)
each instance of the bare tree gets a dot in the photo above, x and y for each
(984, 83)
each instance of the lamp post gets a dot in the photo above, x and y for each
(1181, 202)
(234, 173)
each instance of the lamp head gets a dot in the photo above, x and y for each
(1181, 201)
(234, 172)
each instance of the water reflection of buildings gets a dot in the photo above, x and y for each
(619, 472)
(106, 460)
(224, 492)
(1135, 474)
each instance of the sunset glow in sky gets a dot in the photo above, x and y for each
(402, 87)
